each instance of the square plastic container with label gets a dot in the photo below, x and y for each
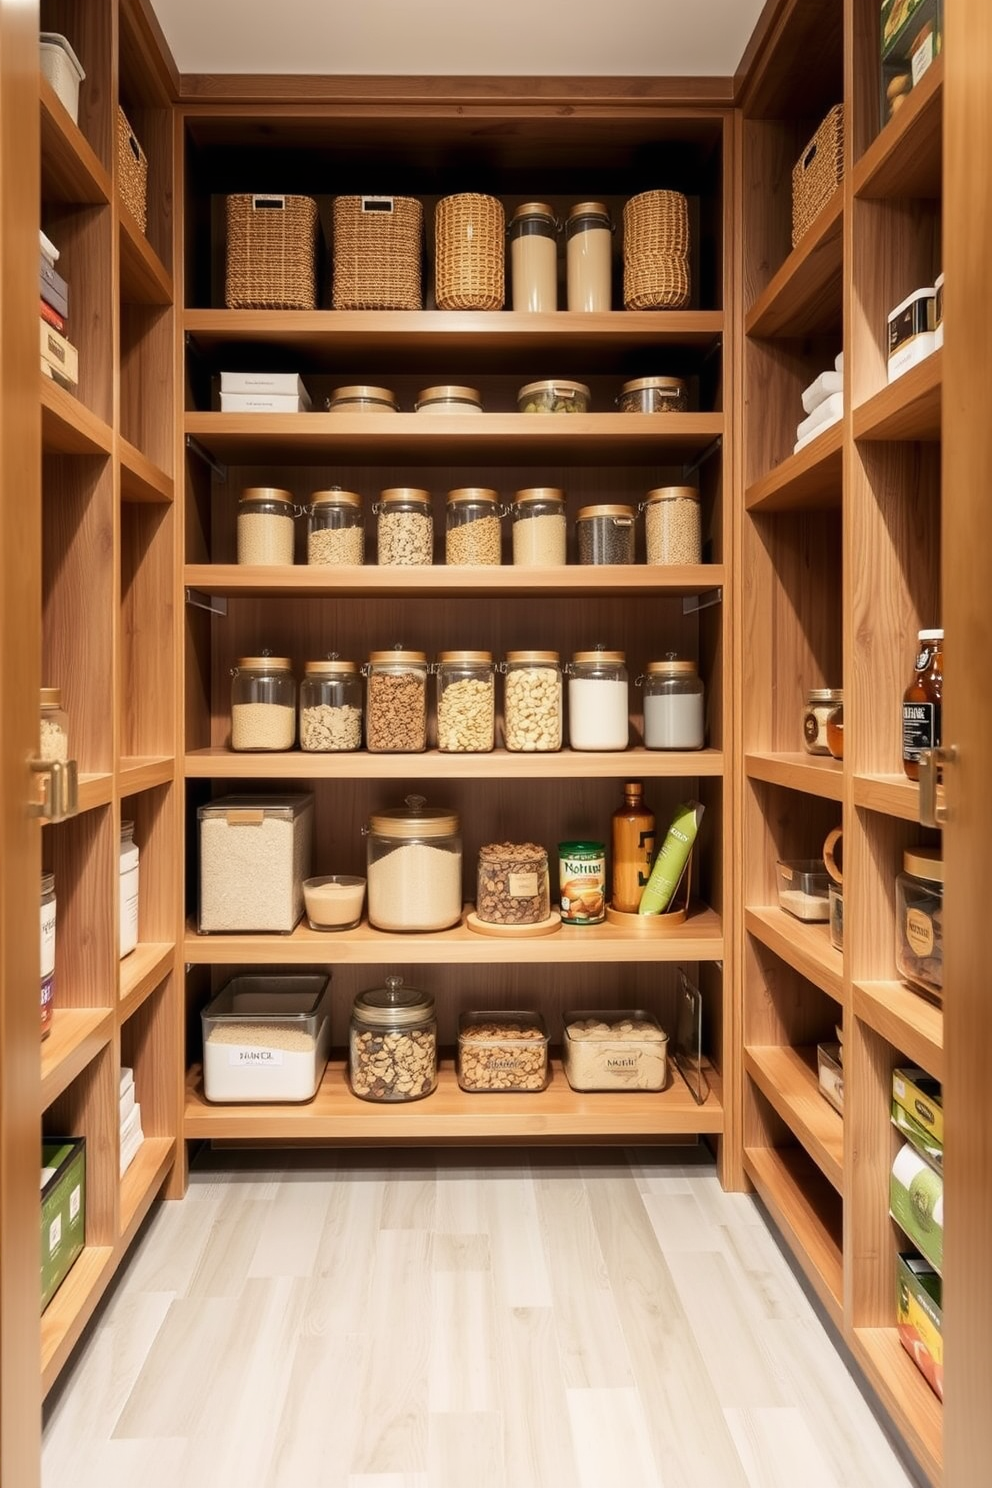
(803, 889)
(615, 1049)
(499, 1052)
(266, 1038)
(254, 856)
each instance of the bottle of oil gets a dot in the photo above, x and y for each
(633, 848)
(921, 702)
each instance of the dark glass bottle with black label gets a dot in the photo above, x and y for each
(633, 848)
(921, 702)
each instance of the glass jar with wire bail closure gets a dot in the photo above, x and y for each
(414, 855)
(405, 527)
(466, 702)
(673, 525)
(396, 702)
(263, 703)
(532, 702)
(673, 704)
(606, 534)
(598, 700)
(330, 706)
(533, 234)
(474, 528)
(540, 528)
(335, 527)
(392, 1043)
(266, 526)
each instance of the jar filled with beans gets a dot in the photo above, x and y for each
(473, 527)
(392, 1053)
(335, 528)
(330, 706)
(265, 526)
(263, 703)
(532, 702)
(396, 702)
(405, 527)
(466, 702)
(540, 529)
(606, 534)
(513, 884)
(673, 525)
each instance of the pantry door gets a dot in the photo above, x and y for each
(967, 724)
(20, 855)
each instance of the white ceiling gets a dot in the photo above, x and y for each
(533, 38)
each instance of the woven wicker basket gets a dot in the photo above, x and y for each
(271, 252)
(378, 246)
(655, 222)
(132, 171)
(817, 173)
(469, 252)
(659, 281)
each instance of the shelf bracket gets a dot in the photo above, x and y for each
(212, 602)
(196, 448)
(707, 454)
(693, 602)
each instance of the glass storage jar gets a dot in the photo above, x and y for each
(653, 395)
(835, 731)
(513, 887)
(335, 528)
(263, 703)
(392, 1044)
(447, 398)
(533, 234)
(588, 252)
(47, 952)
(265, 526)
(54, 731)
(673, 525)
(130, 861)
(532, 702)
(473, 528)
(414, 867)
(597, 700)
(553, 396)
(466, 702)
(920, 919)
(330, 707)
(405, 527)
(820, 703)
(540, 528)
(606, 534)
(921, 704)
(396, 702)
(673, 705)
(362, 399)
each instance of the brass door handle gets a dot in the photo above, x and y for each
(933, 813)
(58, 795)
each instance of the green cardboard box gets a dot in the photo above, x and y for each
(919, 1318)
(63, 1210)
(919, 1094)
(916, 1203)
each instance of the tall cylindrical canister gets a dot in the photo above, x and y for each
(588, 256)
(534, 258)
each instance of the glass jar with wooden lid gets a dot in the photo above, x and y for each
(473, 527)
(598, 700)
(588, 253)
(362, 398)
(532, 702)
(330, 706)
(606, 533)
(673, 704)
(414, 854)
(673, 525)
(448, 398)
(540, 527)
(263, 703)
(466, 702)
(265, 526)
(553, 395)
(335, 527)
(396, 702)
(405, 527)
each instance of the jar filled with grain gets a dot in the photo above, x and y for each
(533, 234)
(265, 526)
(673, 525)
(540, 528)
(513, 884)
(653, 395)
(392, 1046)
(605, 534)
(597, 700)
(414, 867)
(532, 702)
(330, 706)
(396, 702)
(448, 398)
(263, 703)
(53, 745)
(673, 705)
(335, 528)
(405, 527)
(361, 398)
(473, 527)
(466, 702)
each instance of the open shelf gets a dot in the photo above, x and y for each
(372, 581)
(909, 408)
(77, 1036)
(141, 972)
(141, 478)
(71, 1308)
(904, 1393)
(807, 481)
(904, 159)
(893, 795)
(805, 947)
(224, 764)
(142, 1181)
(557, 1114)
(144, 278)
(909, 1022)
(70, 168)
(139, 772)
(807, 1211)
(805, 294)
(815, 775)
(94, 790)
(67, 426)
(787, 1078)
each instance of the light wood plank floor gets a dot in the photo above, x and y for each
(562, 1319)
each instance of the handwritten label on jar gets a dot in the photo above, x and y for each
(919, 932)
(523, 885)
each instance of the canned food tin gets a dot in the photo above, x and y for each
(582, 876)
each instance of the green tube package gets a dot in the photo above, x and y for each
(669, 865)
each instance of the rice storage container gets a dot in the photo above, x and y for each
(414, 867)
(265, 526)
(254, 856)
(920, 919)
(540, 527)
(266, 1038)
(263, 703)
(614, 1050)
(502, 1051)
(597, 700)
(392, 1053)
(802, 889)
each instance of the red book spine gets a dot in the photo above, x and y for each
(52, 316)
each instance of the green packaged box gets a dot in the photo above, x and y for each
(911, 39)
(916, 1203)
(63, 1210)
(919, 1094)
(921, 1139)
(919, 1318)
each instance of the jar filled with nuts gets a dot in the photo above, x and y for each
(396, 702)
(405, 527)
(330, 706)
(672, 525)
(335, 527)
(473, 536)
(466, 702)
(265, 526)
(513, 884)
(263, 703)
(392, 1051)
(414, 867)
(502, 1051)
(532, 702)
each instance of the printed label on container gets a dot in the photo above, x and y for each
(47, 940)
(919, 932)
(256, 1058)
(54, 1235)
(920, 728)
(523, 885)
(75, 1200)
(922, 57)
(621, 1063)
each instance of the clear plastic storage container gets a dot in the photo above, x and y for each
(606, 534)
(392, 1053)
(532, 702)
(614, 1049)
(335, 528)
(920, 919)
(821, 702)
(266, 1038)
(263, 703)
(254, 856)
(540, 527)
(802, 889)
(500, 1051)
(653, 395)
(598, 700)
(553, 396)
(473, 535)
(405, 527)
(466, 702)
(330, 707)
(414, 867)
(396, 702)
(265, 526)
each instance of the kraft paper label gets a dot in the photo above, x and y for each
(523, 885)
(919, 932)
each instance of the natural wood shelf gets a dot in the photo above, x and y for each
(905, 1394)
(144, 278)
(807, 1211)
(71, 1308)
(141, 972)
(225, 764)
(788, 1080)
(94, 790)
(67, 426)
(373, 582)
(805, 947)
(892, 795)
(70, 168)
(908, 1021)
(77, 1036)
(445, 439)
(804, 295)
(808, 481)
(557, 1114)
(904, 159)
(700, 938)
(814, 775)
(141, 478)
(143, 772)
(141, 1183)
(909, 408)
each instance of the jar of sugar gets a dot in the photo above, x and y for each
(673, 704)
(597, 700)
(414, 867)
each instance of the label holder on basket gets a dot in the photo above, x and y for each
(268, 203)
(377, 204)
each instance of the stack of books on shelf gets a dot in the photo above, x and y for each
(131, 1134)
(59, 358)
(263, 392)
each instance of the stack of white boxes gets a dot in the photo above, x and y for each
(59, 358)
(131, 1134)
(263, 392)
(823, 403)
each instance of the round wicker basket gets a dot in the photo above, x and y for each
(469, 249)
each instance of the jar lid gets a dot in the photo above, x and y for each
(335, 498)
(266, 493)
(671, 667)
(554, 385)
(482, 657)
(538, 493)
(404, 493)
(606, 511)
(448, 393)
(924, 862)
(930, 635)
(51, 697)
(330, 668)
(662, 384)
(532, 209)
(48, 883)
(825, 695)
(404, 658)
(611, 657)
(474, 493)
(263, 664)
(393, 1005)
(673, 493)
(565, 849)
(549, 657)
(361, 392)
(414, 819)
(588, 209)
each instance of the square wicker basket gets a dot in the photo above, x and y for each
(132, 171)
(378, 247)
(271, 252)
(817, 173)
